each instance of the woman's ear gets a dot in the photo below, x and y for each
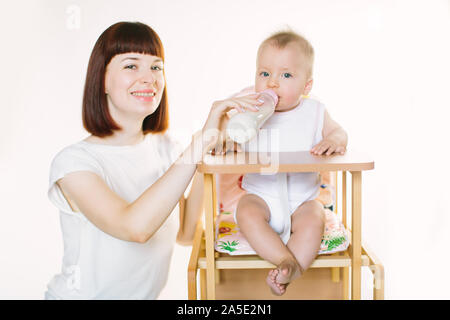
(308, 87)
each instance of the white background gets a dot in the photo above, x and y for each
(382, 69)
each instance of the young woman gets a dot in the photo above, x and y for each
(117, 188)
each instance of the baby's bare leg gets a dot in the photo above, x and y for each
(307, 227)
(253, 215)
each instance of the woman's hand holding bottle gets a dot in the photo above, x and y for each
(213, 132)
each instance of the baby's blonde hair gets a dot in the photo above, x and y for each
(281, 39)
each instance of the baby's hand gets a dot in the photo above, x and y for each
(328, 147)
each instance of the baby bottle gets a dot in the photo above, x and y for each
(243, 127)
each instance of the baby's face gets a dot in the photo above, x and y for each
(285, 72)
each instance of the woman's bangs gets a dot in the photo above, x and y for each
(135, 38)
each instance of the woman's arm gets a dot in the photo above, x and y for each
(136, 221)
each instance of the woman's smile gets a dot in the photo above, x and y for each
(144, 95)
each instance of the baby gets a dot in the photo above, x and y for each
(284, 64)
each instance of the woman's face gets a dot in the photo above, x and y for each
(134, 84)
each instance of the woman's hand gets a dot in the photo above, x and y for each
(328, 146)
(213, 132)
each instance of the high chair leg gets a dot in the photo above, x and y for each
(345, 283)
(192, 286)
(356, 235)
(378, 281)
(203, 284)
(210, 211)
(335, 277)
(378, 273)
(196, 252)
(217, 276)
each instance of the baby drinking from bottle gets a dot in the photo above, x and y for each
(287, 233)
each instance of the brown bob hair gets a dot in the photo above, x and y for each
(122, 37)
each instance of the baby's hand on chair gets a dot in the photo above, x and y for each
(327, 147)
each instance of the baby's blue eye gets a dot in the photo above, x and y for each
(264, 74)
(287, 75)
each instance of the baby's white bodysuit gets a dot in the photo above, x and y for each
(296, 130)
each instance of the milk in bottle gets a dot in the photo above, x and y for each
(243, 127)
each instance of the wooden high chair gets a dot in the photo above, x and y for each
(204, 258)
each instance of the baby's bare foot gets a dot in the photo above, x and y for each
(276, 288)
(288, 270)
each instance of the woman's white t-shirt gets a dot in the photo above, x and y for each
(96, 265)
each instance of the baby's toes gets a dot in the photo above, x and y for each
(272, 275)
